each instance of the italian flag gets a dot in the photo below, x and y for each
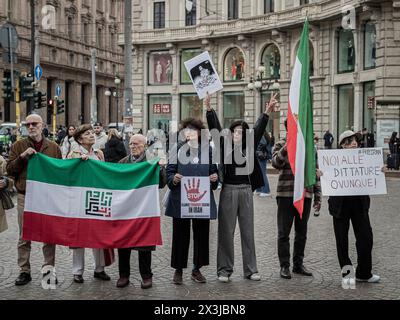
(92, 204)
(300, 144)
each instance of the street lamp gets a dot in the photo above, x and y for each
(115, 94)
(262, 83)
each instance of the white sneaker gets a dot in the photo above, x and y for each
(256, 193)
(223, 279)
(265, 194)
(255, 277)
(348, 283)
(374, 279)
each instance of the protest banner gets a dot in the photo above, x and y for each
(203, 75)
(195, 197)
(349, 172)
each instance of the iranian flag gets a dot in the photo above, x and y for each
(92, 204)
(300, 144)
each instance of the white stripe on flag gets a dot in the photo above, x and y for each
(294, 95)
(62, 201)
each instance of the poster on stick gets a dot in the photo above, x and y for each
(203, 75)
(349, 172)
(195, 197)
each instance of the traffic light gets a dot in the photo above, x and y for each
(7, 88)
(50, 106)
(60, 106)
(27, 89)
(36, 99)
(42, 99)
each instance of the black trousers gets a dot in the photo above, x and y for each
(181, 241)
(364, 241)
(286, 214)
(124, 265)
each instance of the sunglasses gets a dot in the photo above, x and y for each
(33, 124)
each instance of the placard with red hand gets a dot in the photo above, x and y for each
(195, 197)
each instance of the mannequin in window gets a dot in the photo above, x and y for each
(350, 55)
(233, 69)
(158, 71)
(239, 70)
(168, 71)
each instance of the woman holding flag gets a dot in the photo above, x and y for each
(85, 138)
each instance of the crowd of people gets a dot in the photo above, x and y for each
(239, 184)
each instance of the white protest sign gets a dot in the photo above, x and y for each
(203, 75)
(348, 172)
(195, 197)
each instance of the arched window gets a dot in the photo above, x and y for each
(346, 51)
(234, 65)
(272, 62)
(311, 56)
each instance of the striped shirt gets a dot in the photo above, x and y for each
(285, 187)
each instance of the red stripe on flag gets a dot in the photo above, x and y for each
(291, 144)
(92, 233)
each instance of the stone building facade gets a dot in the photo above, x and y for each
(355, 69)
(65, 55)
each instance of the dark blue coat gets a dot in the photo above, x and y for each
(174, 199)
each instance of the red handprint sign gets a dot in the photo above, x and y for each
(193, 190)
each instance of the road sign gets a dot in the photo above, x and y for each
(5, 31)
(58, 90)
(38, 72)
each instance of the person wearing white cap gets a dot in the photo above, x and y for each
(355, 209)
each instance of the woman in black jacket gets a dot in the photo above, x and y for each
(355, 209)
(236, 198)
(114, 150)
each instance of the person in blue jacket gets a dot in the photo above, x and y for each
(191, 149)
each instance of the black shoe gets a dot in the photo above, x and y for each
(123, 282)
(302, 270)
(23, 279)
(78, 278)
(285, 273)
(102, 276)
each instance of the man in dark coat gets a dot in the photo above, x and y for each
(137, 145)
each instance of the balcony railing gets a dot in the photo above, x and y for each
(315, 11)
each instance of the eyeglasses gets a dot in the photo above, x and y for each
(33, 124)
(349, 141)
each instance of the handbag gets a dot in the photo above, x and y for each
(6, 200)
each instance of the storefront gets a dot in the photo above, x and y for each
(160, 111)
(233, 107)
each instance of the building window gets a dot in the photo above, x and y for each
(272, 62)
(191, 106)
(186, 55)
(369, 107)
(346, 51)
(159, 15)
(100, 5)
(70, 22)
(71, 59)
(112, 8)
(234, 65)
(160, 111)
(345, 108)
(233, 9)
(113, 41)
(190, 12)
(86, 33)
(160, 68)
(369, 46)
(303, 2)
(269, 6)
(99, 38)
(53, 55)
(233, 107)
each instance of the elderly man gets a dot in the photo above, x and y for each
(137, 145)
(21, 152)
(100, 135)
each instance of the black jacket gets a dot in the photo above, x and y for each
(256, 177)
(114, 150)
(336, 205)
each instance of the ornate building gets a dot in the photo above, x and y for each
(66, 41)
(355, 67)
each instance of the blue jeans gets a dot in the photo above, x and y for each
(265, 188)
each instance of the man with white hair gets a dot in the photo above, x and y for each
(137, 145)
(21, 152)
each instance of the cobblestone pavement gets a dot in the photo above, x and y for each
(320, 258)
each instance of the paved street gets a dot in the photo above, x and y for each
(320, 258)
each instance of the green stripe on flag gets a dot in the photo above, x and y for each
(305, 108)
(92, 174)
